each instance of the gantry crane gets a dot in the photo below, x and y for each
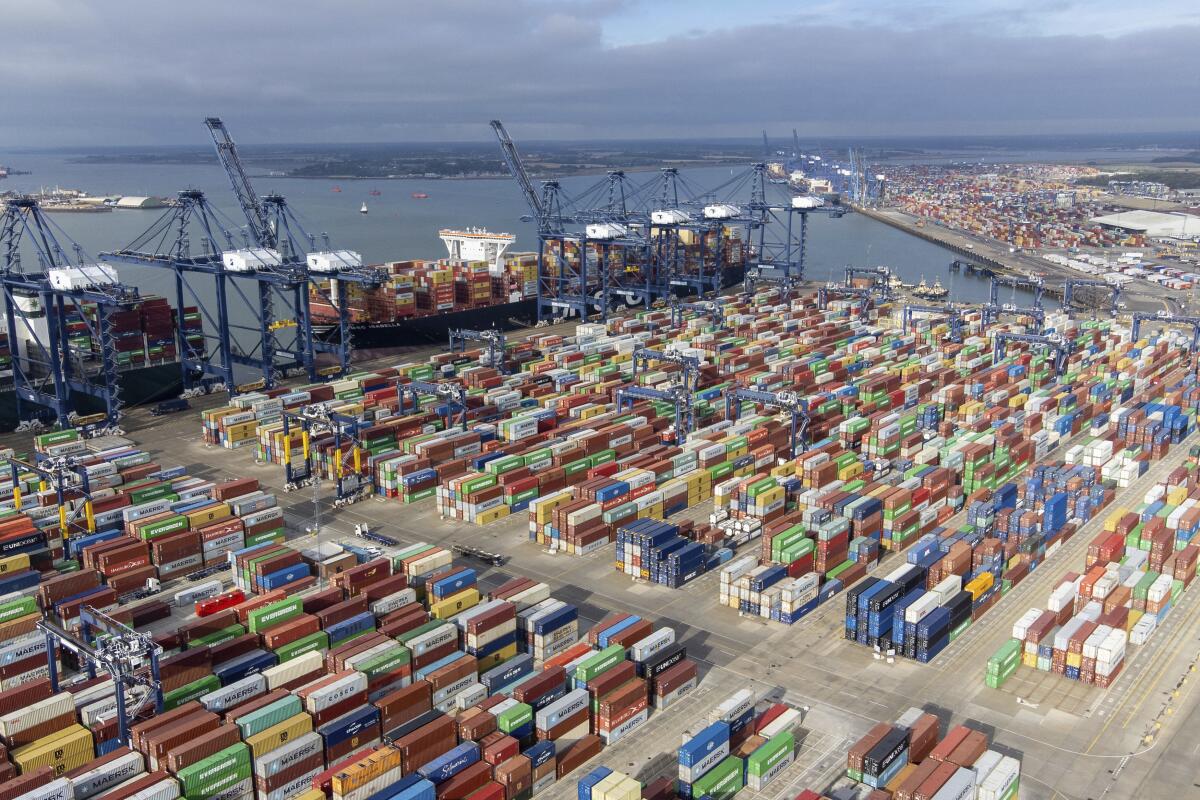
(790, 402)
(493, 339)
(130, 658)
(68, 477)
(1054, 342)
(453, 395)
(1032, 283)
(1163, 318)
(316, 420)
(880, 278)
(47, 367)
(711, 309)
(689, 365)
(678, 395)
(953, 317)
(609, 257)
(991, 313)
(189, 239)
(708, 224)
(274, 227)
(1070, 286)
(865, 296)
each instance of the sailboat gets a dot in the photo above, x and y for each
(363, 210)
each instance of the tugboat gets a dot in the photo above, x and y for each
(927, 292)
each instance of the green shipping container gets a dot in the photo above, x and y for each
(606, 659)
(21, 607)
(45, 440)
(721, 782)
(262, 618)
(385, 662)
(305, 644)
(216, 637)
(513, 718)
(163, 527)
(778, 747)
(212, 775)
(191, 691)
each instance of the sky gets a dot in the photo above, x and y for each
(144, 72)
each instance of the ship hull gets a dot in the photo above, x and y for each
(138, 387)
(435, 328)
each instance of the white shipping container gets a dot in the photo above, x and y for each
(37, 713)
(168, 789)
(336, 692)
(104, 777)
(288, 754)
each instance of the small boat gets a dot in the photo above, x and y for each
(419, 196)
(375, 193)
(363, 210)
(927, 292)
(337, 188)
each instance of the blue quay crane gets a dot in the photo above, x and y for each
(607, 259)
(494, 340)
(1163, 318)
(675, 217)
(47, 367)
(789, 402)
(678, 395)
(273, 225)
(189, 240)
(781, 225)
(953, 317)
(1113, 289)
(1054, 342)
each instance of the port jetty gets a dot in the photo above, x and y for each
(994, 256)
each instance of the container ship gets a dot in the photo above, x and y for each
(478, 285)
(147, 352)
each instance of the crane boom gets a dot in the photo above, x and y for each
(513, 159)
(252, 207)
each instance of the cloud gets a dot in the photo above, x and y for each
(142, 72)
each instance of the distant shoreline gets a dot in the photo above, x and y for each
(505, 177)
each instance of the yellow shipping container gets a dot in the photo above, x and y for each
(1110, 522)
(362, 772)
(455, 603)
(980, 584)
(498, 658)
(15, 563)
(63, 751)
(278, 735)
(204, 516)
(850, 471)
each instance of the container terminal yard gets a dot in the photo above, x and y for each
(1119, 738)
(797, 541)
